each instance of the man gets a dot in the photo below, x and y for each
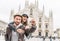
(11, 32)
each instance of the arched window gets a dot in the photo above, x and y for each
(31, 11)
(39, 25)
(39, 19)
(39, 33)
(46, 26)
(46, 34)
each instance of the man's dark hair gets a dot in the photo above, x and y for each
(17, 15)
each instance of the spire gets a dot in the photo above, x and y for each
(50, 14)
(19, 7)
(51, 21)
(36, 3)
(11, 15)
(26, 3)
(12, 12)
(43, 9)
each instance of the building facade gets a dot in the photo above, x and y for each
(3, 26)
(44, 24)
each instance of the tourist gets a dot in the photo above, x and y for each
(11, 32)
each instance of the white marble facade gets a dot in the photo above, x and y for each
(44, 24)
(3, 26)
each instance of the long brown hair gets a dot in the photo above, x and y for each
(25, 23)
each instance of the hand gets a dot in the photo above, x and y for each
(20, 31)
(27, 27)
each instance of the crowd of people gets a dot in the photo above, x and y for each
(19, 28)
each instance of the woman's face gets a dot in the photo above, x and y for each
(24, 19)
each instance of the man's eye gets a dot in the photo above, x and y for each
(19, 19)
(16, 19)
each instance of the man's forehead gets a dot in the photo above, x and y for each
(17, 17)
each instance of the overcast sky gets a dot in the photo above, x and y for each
(54, 5)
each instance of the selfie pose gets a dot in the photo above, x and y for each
(18, 28)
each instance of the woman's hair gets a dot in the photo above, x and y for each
(25, 23)
(25, 15)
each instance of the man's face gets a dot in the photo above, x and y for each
(17, 20)
(24, 19)
(33, 22)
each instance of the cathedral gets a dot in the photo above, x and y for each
(44, 24)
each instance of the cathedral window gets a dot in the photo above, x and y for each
(46, 34)
(39, 19)
(39, 33)
(31, 10)
(39, 25)
(46, 26)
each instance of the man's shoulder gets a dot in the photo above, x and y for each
(11, 23)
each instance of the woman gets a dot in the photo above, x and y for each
(28, 29)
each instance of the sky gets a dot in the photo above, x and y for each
(7, 5)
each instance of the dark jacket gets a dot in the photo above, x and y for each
(29, 31)
(9, 29)
(8, 34)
